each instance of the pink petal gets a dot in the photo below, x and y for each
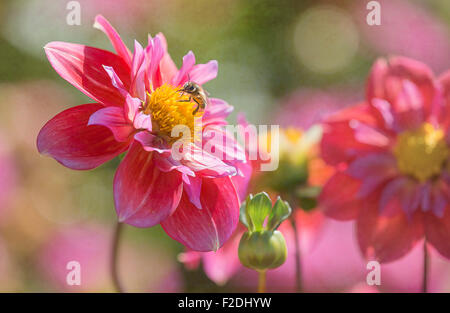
(205, 164)
(115, 80)
(151, 142)
(166, 164)
(408, 107)
(203, 73)
(368, 135)
(190, 259)
(154, 58)
(68, 139)
(386, 238)
(375, 82)
(337, 198)
(220, 266)
(386, 80)
(82, 66)
(193, 186)
(399, 194)
(373, 170)
(343, 139)
(167, 66)
(438, 231)
(209, 228)
(132, 106)
(219, 142)
(144, 195)
(419, 74)
(383, 108)
(242, 179)
(444, 82)
(182, 75)
(143, 121)
(102, 24)
(114, 119)
(138, 72)
(440, 192)
(216, 112)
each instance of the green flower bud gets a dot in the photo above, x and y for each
(288, 175)
(262, 250)
(263, 247)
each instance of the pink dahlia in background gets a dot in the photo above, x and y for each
(391, 153)
(136, 107)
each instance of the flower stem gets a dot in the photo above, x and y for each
(262, 282)
(298, 268)
(426, 267)
(114, 258)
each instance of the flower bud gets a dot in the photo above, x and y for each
(263, 247)
(291, 178)
(262, 250)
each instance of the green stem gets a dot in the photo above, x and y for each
(114, 258)
(298, 268)
(426, 267)
(262, 282)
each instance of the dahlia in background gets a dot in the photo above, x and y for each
(138, 106)
(391, 155)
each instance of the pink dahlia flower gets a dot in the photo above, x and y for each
(391, 153)
(137, 107)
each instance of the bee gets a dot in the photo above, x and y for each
(196, 93)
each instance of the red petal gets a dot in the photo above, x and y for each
(242, 179)
(68, 139)
(341, 142)
(122, 50)
(338, 197)
(386, 238)
(114, 119)
(82, 66)
(209, 228)
(438, 232)
(386, 79)
(193, 188)
(444, 81)
(144, 195)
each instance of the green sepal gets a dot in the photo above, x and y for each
(280, 212)
(257, 210)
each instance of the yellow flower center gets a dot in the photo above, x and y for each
(421, 153)
(168, 108)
